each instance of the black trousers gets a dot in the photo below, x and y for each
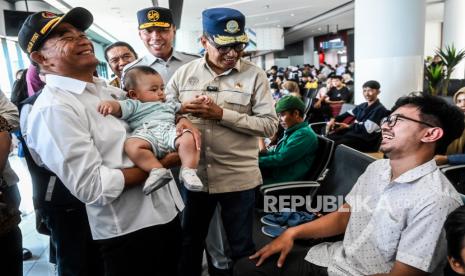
(150, 251)
(237, 216)
(11, 253)
(295, 265)
(76, 253)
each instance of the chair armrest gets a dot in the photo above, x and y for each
(317, 124)
(319, 127)
(283, 186)
(446, 168)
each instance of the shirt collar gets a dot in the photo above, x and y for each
(69, 84)
(176, 55)
(152, 59)
(417, 172)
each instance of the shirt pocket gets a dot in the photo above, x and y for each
(238, 101)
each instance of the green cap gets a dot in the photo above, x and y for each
(290, 103)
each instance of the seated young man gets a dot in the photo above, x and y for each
(293, 156)
(337, 95)
(364, 132)
(393, 216)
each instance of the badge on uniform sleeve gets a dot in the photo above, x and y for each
(153, 15)
(232, 27)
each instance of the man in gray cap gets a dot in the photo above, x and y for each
(157, 32)
(85, 150)
(241, 110)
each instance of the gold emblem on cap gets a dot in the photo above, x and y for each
(232, 27)
(153, 15)
(47, 14)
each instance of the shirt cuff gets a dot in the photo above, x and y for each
(112, 183)
(229, 116)
(414, 261)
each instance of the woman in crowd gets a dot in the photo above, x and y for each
(291, 88)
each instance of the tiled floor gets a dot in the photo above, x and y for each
(38, 265)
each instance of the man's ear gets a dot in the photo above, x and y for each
(203, 40)
(432, 135)
(456, 265)
(37, 57)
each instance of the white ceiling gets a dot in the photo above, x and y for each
(260, 13)
(118, 17)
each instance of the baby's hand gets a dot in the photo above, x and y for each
(204, 98)
(105, 108)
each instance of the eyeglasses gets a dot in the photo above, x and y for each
(391, 120)
(239, 47)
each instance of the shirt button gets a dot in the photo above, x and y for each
(209, 166)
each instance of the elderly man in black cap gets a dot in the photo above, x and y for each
(85, 150)
(240, 111)
(157, 31)
(360, 127)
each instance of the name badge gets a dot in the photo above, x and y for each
(212, 88)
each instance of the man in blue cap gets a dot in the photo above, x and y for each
(157, 31)
(241, 110)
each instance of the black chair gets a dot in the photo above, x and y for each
(456, 175)
(344, 169)
(347, 166)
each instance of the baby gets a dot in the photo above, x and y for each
(154, 131)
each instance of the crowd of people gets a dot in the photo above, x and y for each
(141, 175)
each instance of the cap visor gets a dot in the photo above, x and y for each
(79, 17)
(222, 40)
(163, 25)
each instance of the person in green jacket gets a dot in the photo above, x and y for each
(295, 152)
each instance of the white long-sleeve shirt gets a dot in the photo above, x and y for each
(85, 150)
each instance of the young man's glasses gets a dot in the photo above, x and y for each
(391, 120)
(239, 47)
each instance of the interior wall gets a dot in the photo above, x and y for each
(433, 35)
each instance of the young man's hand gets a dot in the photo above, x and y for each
(282, 245)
